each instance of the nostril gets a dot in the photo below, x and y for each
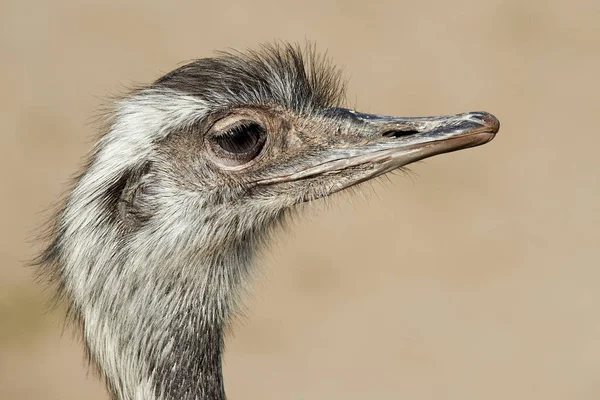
(399, 133)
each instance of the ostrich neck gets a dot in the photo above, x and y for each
(161, 337)
(192, 367)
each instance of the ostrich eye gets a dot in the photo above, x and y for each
(238, 144)
(241, 139)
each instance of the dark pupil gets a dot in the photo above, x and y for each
(241, 139)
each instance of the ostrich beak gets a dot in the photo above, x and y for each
(397, 141)
(370, 145)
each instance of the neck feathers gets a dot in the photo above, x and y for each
(152, 315)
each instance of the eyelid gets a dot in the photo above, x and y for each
(227, 123)
(241, 123)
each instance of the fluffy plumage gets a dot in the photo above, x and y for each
(277, 75)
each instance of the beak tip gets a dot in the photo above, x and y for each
(491, 122)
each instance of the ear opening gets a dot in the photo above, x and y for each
(125, 198)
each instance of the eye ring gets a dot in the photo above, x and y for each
(237, 144)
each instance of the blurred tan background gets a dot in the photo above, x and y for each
(476, 277)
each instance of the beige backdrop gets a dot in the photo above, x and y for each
(475, 277)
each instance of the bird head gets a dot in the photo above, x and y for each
(244, 137)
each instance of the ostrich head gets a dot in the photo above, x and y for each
(161, 228)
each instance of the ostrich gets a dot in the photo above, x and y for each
(159, 232)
